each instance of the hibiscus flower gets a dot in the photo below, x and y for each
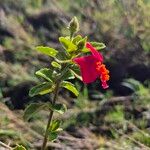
(92, 67)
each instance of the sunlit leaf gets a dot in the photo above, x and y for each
(41, 89)
(45, 73)
(60, 108)
(47, 50)
(55, 64)
(85, 50)
(54, 129)
(98, 45)
(67, 44)
(69, 86)
(54, 125)
(77, 39)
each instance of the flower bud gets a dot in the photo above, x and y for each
(74, 25)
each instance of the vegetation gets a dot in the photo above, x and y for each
(114, 119)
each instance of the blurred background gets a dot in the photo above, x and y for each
(115, 119)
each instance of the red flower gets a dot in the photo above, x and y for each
(91, 67)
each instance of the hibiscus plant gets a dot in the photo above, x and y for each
(78, 58)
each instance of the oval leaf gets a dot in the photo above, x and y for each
(54, 129)
(32, 109)
(41, 89)
(98, 45)
(53, 136)
(54, 125)
(45, 73)
(77, 39)
(67, 44)
(55, 64)
(47, 50)
(69, 86)
(60, 108)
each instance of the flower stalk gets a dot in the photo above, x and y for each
(50, 117)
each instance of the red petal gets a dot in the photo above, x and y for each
(87, 66)
(104, 85)
(94, 52)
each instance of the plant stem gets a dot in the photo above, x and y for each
(50, 117)
(4, 145)
(71, 35)
(63, 61)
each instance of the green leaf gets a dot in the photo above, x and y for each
(54, 125)
(74, 25)
(69, 86)
(19, 147)
(45, 73)
(60, 108)
(53, 136)
(33, 109)
(54, 129)
(67, 44)
(77, 39)
(68, 75)
(41, 89)
(81, 43)
(47, 50)
(98, 45)
(85, 50)
(76, 73)
(55, 64)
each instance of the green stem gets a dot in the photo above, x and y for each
(63, 61)
(50, 118)
(71, 36)
(76, 75)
